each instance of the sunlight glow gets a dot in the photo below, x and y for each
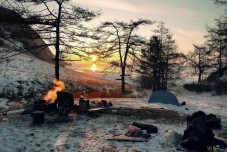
(94, 68)
(94, 58)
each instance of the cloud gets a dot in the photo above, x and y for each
(168, 10)
(143, 8)
(186, 38)
(188, 33)
(186, 12)
(116, 4)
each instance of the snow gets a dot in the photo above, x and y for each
(90, 134)
(24, 75)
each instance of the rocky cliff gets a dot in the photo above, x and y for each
(21, 37)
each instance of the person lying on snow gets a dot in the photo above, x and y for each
(136, 132)
(198, 134)
(141, 130)
(65, 101)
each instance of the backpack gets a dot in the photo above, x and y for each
(213, 121)
(197, 136)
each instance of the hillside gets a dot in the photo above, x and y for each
(20, 37)
(24, 76)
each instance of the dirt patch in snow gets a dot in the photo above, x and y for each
(157, 115)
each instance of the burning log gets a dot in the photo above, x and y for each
(58, 100)
(51, 95)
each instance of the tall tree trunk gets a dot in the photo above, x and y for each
(57, 54)
(200, 75)
(123, 79)
(200, 71)
(124, 62)
(57, 44)
(199, 79)
(167, 71)
(220, 72)
(154, 88)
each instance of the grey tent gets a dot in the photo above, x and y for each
(165, 97)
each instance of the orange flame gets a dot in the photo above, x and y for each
(51, 95)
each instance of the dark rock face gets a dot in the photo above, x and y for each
(9, 16)
(13, 30)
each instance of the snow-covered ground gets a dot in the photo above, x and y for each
(89, 133)
(23, 75)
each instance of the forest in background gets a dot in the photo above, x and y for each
(157, 60)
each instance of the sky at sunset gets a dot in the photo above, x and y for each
(186, 19)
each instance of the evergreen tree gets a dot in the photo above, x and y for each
(217, 42)
(160, 61)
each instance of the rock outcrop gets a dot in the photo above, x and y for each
(17, 36)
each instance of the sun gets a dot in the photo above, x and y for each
(94, 68)
(93, 58)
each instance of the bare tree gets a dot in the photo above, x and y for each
(122, 41)
(199, 60)
(217, 42)
(59, 22)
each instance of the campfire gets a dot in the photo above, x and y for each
(55, 100)
(51, 95)
(59, 101)
(58, 98)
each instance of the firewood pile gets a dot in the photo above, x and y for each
(65, 110)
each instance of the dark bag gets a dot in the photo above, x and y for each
(197, 136)
(213, 121)
(149, 128)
